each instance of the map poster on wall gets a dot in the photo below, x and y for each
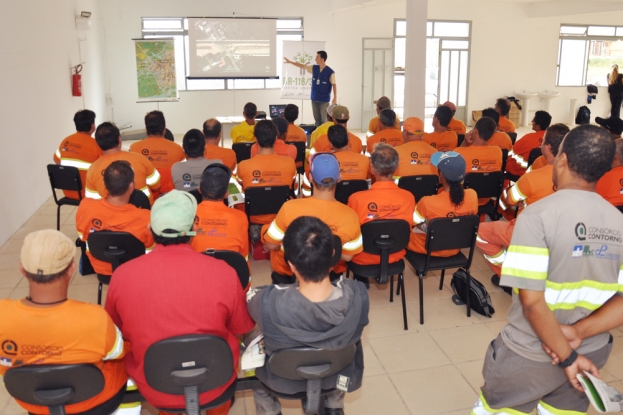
(296, 82)
(155, 70)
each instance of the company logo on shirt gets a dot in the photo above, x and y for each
(9, 347)
(96, 223)
(580, 231)
(450, 215)
(373, 207)
(256, 173)
(540, 141)
(383, 140)
(621, 182)
(145, 152)
(196, 220)
(476, 162)
(66, 143)
(187, 177)
(39, 349)
(600, 253)
(433, 145)
(6, 361)
(414, 155)
(577, 251)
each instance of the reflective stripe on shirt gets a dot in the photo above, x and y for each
(80, 164)
(274, 232)
(353, 245)
(92, 194)
(153, 179)
(117, 348)
(526, 262)
(586, 294)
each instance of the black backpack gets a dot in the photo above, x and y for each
(584, 115)
(479, 299)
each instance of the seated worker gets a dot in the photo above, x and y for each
(216, 225)
(479, 156)
(146, 176)
(265, 169)
(186, 174)
(610, 186)
(243, 132)
(196, 294)
(414, 155)
(612, 124)
(213, 131)
(162, 153)
(455, 125)
(384, 200)
(114, 212)
(441, 139)
(518, 157)
(343, 221)
(324, 127)
(388, 134)
(499, 138)
(452, 201)
(503, 107)
(494, 237)
(280, 146)
(80, 149)
(314, 312)
(375, 124)
(47, 327)
(340, 116)
(353, 166)
(294, 133)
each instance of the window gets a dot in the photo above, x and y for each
(586, 54)
(177, 29)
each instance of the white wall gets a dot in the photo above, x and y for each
(39, 45)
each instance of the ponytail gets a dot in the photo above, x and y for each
(457, 194)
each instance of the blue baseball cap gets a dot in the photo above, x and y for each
(451, 164)
(325, 166)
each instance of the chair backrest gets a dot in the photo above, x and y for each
(488, 184)
(384, 237)
(513, 137)
(203, 360)
(115, 247)
(234, 260)
(620, 208)
(54, 386)
(197, 195)
(65, 178)
(461, 138)
(301, 146)
(140, 200)
(504, 159)
(337, 250)
(345, 188)
(242, 150)
(303, 363)
(420, 186)
(535, 153)
(265, 200)
(169, 135)
(452, 233)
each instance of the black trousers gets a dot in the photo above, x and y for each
(616, 99)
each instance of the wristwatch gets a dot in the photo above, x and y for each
(569, 360)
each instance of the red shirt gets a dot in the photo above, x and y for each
(171, 292)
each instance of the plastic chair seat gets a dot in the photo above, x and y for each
(68, 201)
(418, 261)
(373, 271)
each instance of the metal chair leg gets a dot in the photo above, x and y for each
(467, 291)
(99, 294)
(421, 281)
(397, 289)
(58, 217)
(443, 271)
(401, 283)
(391, 288)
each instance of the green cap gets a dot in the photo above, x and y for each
(175, 211)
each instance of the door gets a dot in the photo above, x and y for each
(378, 76)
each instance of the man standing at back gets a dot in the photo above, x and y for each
(161, 152)
(213, 131)
(441, 139)
(243, 132)
(518, 157)
(80, 149)
(196, 294)
(388, 134)
(414, 155)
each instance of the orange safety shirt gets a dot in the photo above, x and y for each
(501, 140)
(226, 155)
(518, 157)
(446, 141)
(389, 136)
(414, 159)
(295, 133)
(374, 126)
(506, 125)
(610, 186)
(457, 126)
(323, 145)
(530, 188)
(163, 154)
(78, 150)
(481, 159)
(280, 148)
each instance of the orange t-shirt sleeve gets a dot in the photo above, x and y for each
(354, 243)
(152, 176)
(114, 346)
(421, 213)
(276, 230)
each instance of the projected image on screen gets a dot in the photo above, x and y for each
(232, 48)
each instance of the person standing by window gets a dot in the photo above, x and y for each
(615, 89)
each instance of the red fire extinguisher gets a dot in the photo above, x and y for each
(76, 81)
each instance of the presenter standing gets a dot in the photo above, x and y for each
(323, 80)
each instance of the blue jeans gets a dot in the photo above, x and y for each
(320, 112)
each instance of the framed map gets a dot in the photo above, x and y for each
(155, 70)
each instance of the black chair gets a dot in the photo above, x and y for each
(445, 233)
(190, 365)
(56, 386)
(140, 200)
(620, 208)
(345, 188)
(513, 137)
(337, 250)
(234, 260)
(265, 200)
(310, 365)
(504, 159)
(486, 185)
(461, 138)
(197, 195)
(115, 248)
(169, 135)
(300, 154)
(383, 237)
(64, 178)
(535, 153)
(420, 186)
(242, 150)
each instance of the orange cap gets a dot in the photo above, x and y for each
(413, 125)
(450, 105)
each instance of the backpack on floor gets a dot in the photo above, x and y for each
(479, 299)
(584, 115)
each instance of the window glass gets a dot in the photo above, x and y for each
(451, 29)
(573, 30)
(572, 61)
(601, 31)
(401, 28)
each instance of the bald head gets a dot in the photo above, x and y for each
(212, 129)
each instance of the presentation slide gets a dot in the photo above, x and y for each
(232, 48)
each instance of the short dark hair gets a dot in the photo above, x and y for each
(384, 159)
(266, 133)
(503, 105)
(154, 123)
(117, 177)
(590, 151)
(194, 143)
(250, 110)
(161, 240)
(46, 279)
(308, 245)
(215, 182)
(387, 117)
(491, 113)
(542, 119)
(554, 135)
(338, 136)
(291, 112)
(107, 136)
(444, 115)
(282, 125)
(486, 127)
(83, 120)
(212, 128)
(322, 54)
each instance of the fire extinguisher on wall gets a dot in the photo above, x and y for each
(76, 81)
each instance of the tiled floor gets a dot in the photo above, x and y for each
(433, 368)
